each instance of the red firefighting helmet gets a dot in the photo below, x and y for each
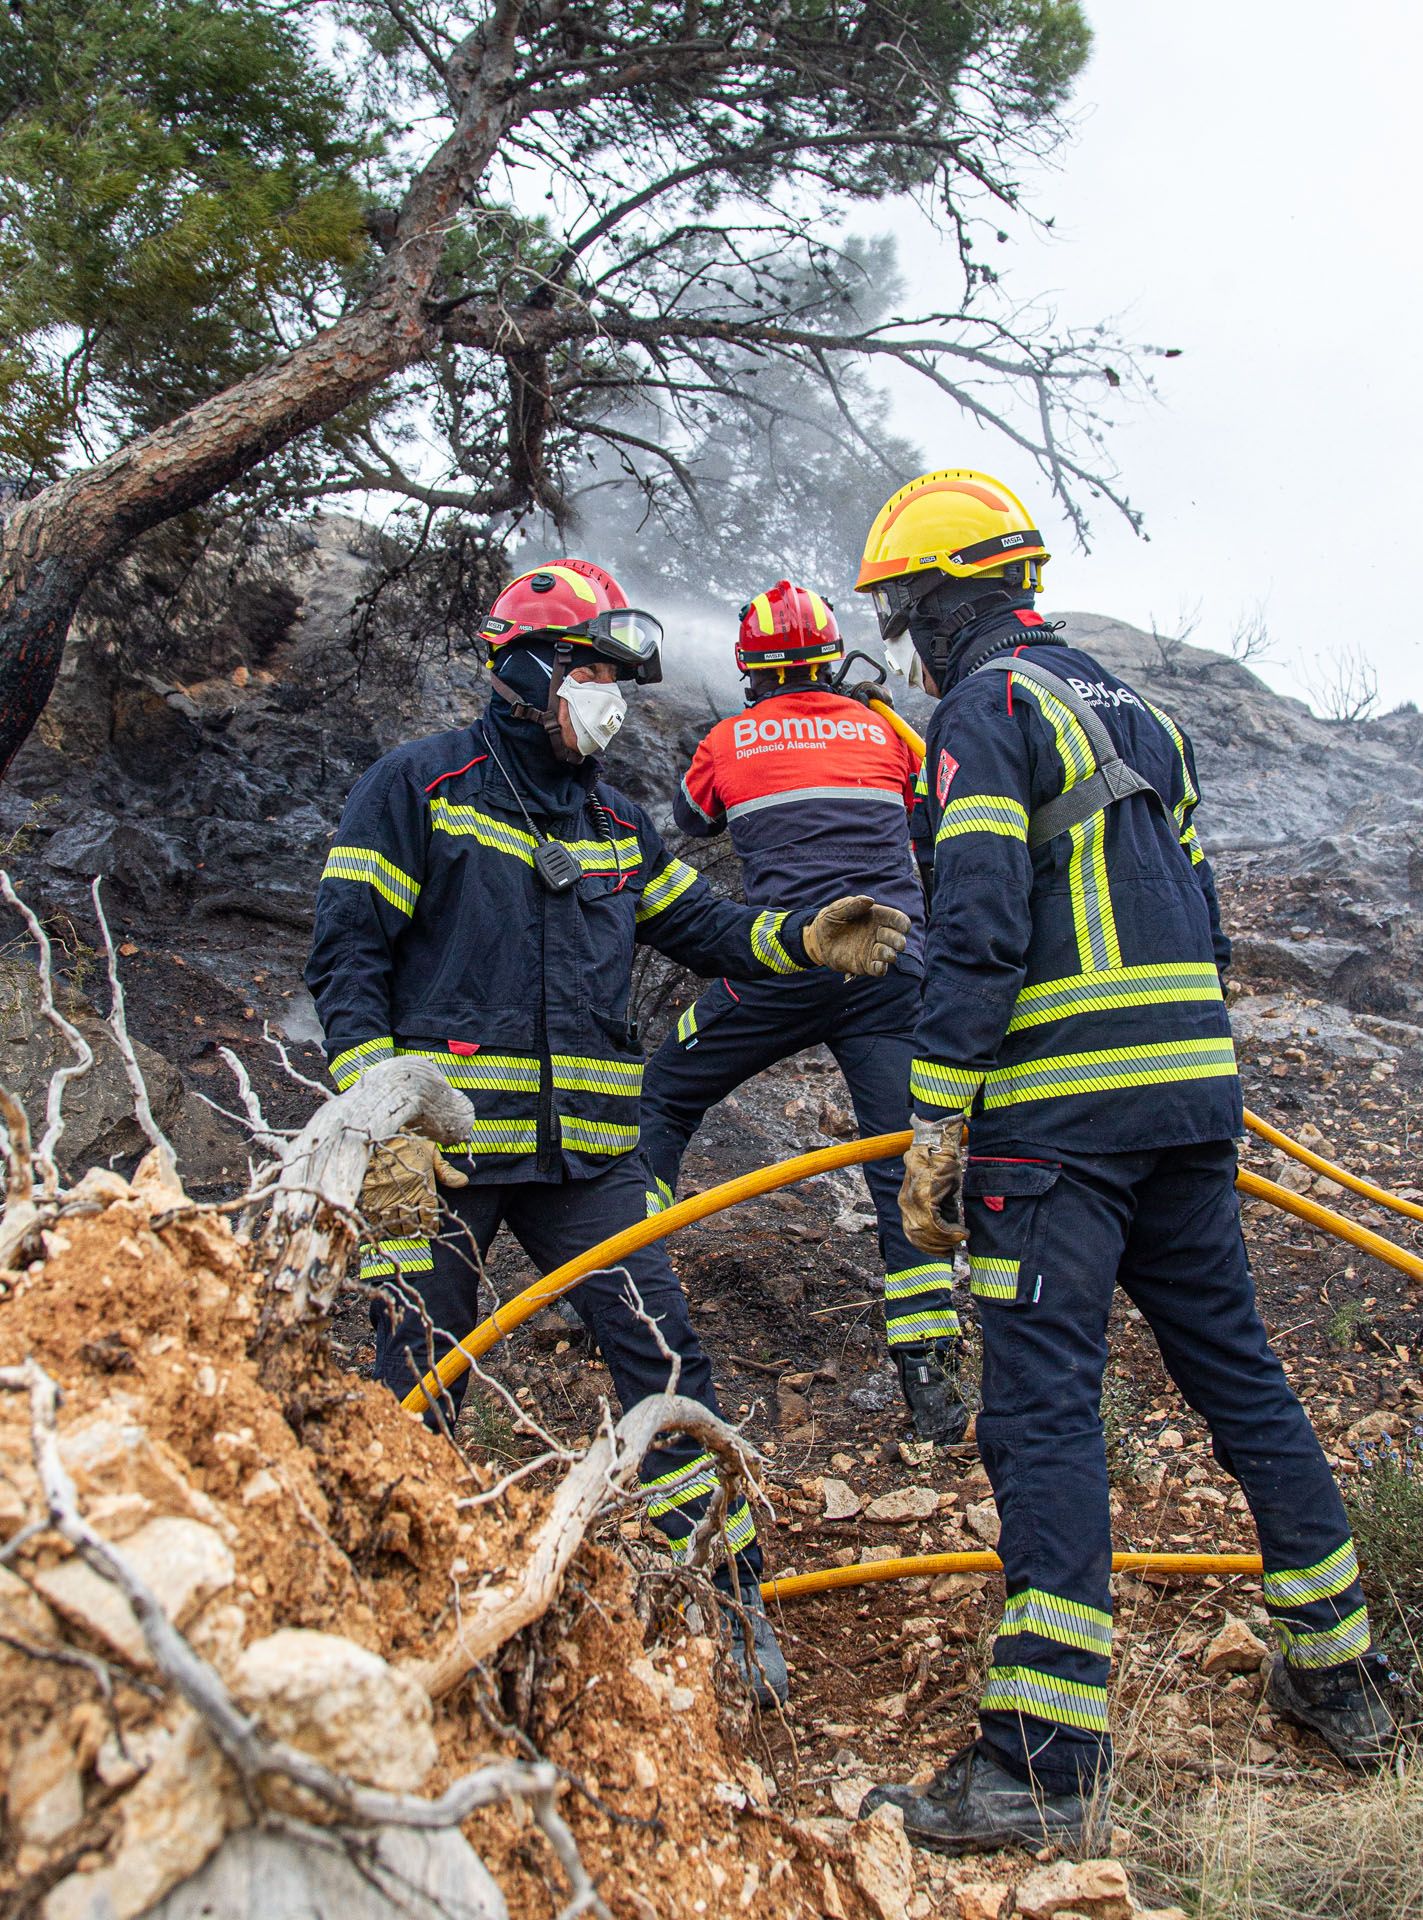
(580, 605)
(786, 626)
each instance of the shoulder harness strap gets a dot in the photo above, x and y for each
(1113, 778)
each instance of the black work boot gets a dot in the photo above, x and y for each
(929, 1375)
(1351, 1707)
(765, 1670)
(975, 1806)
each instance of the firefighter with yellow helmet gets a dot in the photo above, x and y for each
(1076, 1104)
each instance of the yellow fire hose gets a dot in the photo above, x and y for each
(918, 1565)
(747, 1186)
(1378, 1195)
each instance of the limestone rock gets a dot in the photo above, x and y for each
(841, 1500)
(904, 1504)
(1375, 1428)
(44, 1796)
(849, 1792)
(982, 1521)
(109, 1456)
(1096, 1888)
(183, 1561)
(409, 1876)
(983, 1900)
(341, 1704)
(1235, 1649)
(173, 1819)
(884, 1869)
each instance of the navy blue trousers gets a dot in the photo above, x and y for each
(552, 1221)
(739, 1028)
(1050, 1237)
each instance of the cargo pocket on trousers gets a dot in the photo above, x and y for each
(720, 999)
(1004, 1202)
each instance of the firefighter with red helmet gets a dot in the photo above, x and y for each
(815, 789)
(480, 907)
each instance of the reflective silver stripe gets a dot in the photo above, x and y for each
(894, 797)
(700, 811)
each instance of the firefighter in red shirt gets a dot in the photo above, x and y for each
(816, 789)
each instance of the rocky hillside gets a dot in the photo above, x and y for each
(205, 792)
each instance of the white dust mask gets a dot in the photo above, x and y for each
(596, 711)
(902, 659)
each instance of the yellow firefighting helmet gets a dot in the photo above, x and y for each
(954, 522)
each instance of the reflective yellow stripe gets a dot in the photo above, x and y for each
(1297, 1586)
(347, 1068)
(933, 1085)
(921, 783)
(1029, 1690)
(1189, 795)
(574, 1073)
(739, 1529)
(1098, 949)
(659, 1197)
(1330, 1646)
(623, 854)
(1074, 749)
(381, 1257)
(1159, 984)
(1192, 846)
(931, 1277)
(603, 856)
(1052, 1617)
(469, 823)
(1109, 1069)
(595, 1136)
(983, 813)
(498, 1136)
(687, 1025)
(494, 1072)
(766, 943)
(992, 1278)
(364, 864)
(942, 1324)
(664, 887)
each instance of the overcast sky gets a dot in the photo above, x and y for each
(1245, 185)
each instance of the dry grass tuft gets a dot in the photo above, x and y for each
(1251, 1850)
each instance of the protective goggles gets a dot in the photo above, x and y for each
(625, 635)
(895, 601)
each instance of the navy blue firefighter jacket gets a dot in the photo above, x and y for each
(434, 936)
(1073, 994)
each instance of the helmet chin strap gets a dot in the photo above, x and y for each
(545, 717)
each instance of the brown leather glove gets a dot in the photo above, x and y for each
(854, 935)
(933, 1186)
(400, 1198)
(866, 690)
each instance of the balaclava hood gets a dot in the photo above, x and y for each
(954, 617)
(545, 785)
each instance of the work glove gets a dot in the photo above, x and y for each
(865, 691)
(854, 935)
(933, 1186)
(400, 1199)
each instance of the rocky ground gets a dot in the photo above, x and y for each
(206, 798)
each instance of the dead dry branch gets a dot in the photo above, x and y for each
(608, 1469)
(314, 1223)
(256, 1759)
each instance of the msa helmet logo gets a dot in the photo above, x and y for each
(1012, 539)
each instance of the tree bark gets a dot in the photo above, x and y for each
(53, 545)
